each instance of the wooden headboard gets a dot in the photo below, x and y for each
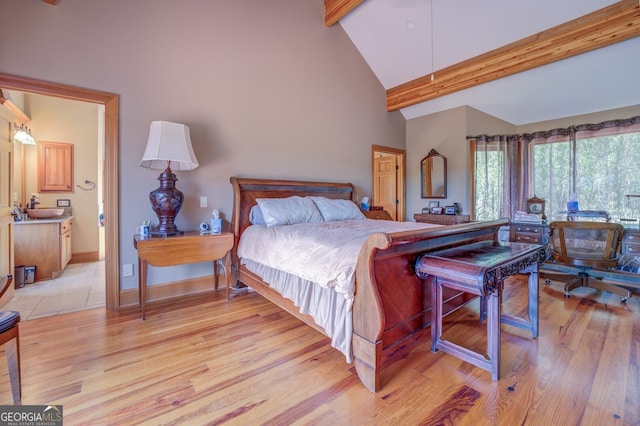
(246, 190)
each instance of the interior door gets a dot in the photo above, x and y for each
(385, 183)
(6, 191)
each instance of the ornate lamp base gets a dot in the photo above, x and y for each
(166, 201)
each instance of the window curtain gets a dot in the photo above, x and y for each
(495, 176)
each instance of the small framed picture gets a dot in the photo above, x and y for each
(436, 210)
(426, 210)
(433, 204)
(64, 203)
(450, 210)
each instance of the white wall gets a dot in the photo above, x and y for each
(266, 88)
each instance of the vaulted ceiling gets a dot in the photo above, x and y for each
(520, 61)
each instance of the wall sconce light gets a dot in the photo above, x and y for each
(23, 135)
(169, 144)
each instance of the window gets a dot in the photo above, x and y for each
(596, 162)
(490, 163)
(495, 166)
(599, 170)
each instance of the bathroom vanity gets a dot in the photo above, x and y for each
(45, 243)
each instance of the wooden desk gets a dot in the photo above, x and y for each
(481, 268)
(538, 233)
(190, 247)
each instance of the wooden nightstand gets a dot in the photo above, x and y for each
(377, 214)
(190, 247)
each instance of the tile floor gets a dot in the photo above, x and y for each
(80, 286)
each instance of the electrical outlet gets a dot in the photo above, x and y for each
(203, 201)
(127, 269)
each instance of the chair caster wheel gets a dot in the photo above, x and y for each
(566, 295)
(547, 281)
(623, 299)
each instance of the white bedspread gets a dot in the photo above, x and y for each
(323, 252)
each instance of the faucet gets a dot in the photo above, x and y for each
(33, 202)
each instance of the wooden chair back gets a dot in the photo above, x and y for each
(590, 244)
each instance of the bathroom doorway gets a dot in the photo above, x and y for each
(110, 103)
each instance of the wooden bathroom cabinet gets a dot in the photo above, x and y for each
(55, 167)
(45, 244)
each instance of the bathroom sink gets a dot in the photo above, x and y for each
(44, 213)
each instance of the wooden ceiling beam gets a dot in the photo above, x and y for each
(334, 10)
(612, 24)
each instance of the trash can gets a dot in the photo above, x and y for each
(18, 275)
(29, 274)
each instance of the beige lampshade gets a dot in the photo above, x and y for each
(169, 142)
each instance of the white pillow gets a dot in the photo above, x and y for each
(255, 216)
(333, 210)
(288, 211)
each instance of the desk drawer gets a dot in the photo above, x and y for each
(631, 237)
(528, 229)
(531, 233)
(631, 242)
(630, 248)
(530, 238)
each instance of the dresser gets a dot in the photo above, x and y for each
(441, 219)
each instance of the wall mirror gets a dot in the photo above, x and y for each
(433, 169)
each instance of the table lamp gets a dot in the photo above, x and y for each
(169, 145)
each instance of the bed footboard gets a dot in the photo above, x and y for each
(392, 305)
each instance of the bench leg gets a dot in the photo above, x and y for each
(436, 313)
(493, 334)
(483, 308)
(533, 301)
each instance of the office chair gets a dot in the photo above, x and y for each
(585, 246)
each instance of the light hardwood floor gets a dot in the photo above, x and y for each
(202, 360)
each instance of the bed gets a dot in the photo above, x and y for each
(387, 310)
